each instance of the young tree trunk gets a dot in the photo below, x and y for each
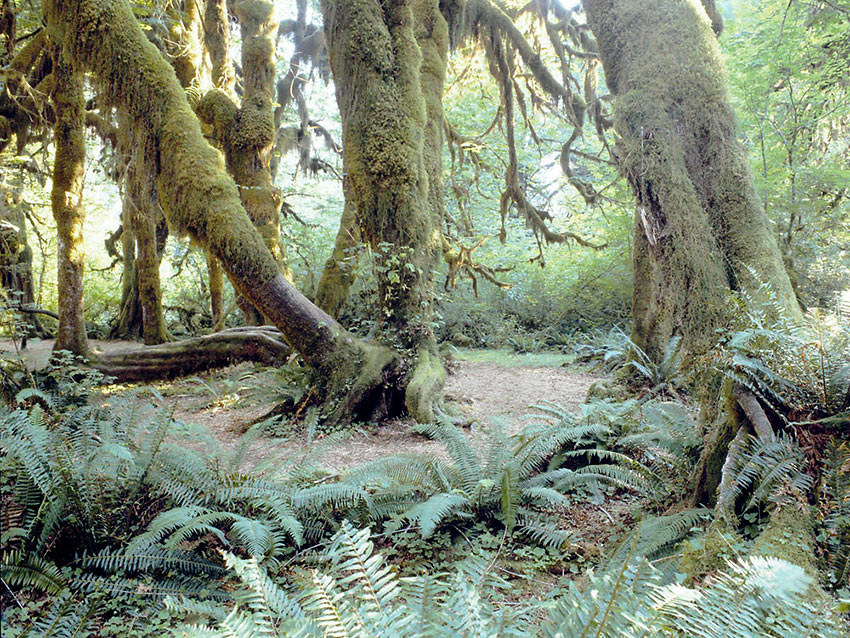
(140, 190)
(128, 324)
(201, 199)
(388, 63)
(701, 231)
(67, 202)
(216, 286)
(341, 267)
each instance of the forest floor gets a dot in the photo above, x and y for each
(487, 387)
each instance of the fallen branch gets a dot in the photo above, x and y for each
(263, 344)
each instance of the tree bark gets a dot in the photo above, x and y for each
(201, 199)
(216, 285)
(388, 62)
(140, 191)
(128, 324)
(701, 231)
(67, 203)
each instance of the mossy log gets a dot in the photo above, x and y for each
(264, 344)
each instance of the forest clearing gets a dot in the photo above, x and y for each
(424, 318)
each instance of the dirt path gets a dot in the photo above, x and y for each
(484, 391)
(488, 387)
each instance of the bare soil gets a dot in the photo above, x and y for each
(484, 392)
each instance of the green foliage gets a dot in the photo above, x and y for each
(769, 472)
(833, 513)
(358, 594)
(800, 372)
(753, 597)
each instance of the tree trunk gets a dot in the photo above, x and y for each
(201, 199)
(341, 267)
(67, 202)
(701, 231)
(388, 61)
(705, 231)
(216, 285)
(128, 324)
(246, 134)
(140, 190)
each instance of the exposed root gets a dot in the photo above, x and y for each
(424, 386)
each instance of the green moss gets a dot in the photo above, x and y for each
(709, 552)
(424, 386)
(697, 207)
(789, 535)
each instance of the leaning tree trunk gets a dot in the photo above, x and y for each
(67, 200)
(702, 231)
(246, 133)
(386, 69)
(201, 199)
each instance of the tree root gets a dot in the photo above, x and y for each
(424, 386)
(263, 344)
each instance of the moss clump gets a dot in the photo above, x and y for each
(709, 552)
(789, 535)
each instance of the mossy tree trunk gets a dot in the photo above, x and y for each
(67, 202)
(140, 192)
(701, 231)
(201, 199)
(704, 231)
(388, 63)
(246, 133)
(341, 267)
